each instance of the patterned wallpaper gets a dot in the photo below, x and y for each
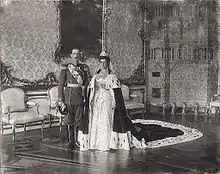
(188, 81)
(189, 84)
(29, 37)
(124, 44)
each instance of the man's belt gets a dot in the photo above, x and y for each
(72, 85)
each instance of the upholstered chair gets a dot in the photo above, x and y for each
(16, 110)
(132, 106)
(53, 105)
(215, 104)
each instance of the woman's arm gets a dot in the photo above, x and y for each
(91, 89)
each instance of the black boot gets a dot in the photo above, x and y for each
(70, 137)
(67, 134)
(76, 143)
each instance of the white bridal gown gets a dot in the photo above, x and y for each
(102, 117)
(101, 135)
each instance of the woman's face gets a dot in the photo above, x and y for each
(105, 63)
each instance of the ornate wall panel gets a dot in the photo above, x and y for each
(189, 84)
(124, 45)
(191, 43)
(29, 40)
(156, 82)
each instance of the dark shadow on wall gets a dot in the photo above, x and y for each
(80, 27)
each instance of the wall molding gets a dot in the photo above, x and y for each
(8, 80)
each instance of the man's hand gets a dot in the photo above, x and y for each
(62, 105)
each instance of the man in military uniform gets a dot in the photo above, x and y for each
(73, 82)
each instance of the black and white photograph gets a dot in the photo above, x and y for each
(110, 86)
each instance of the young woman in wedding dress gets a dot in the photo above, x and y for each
(108, 125)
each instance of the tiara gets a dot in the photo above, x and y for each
(103, 54)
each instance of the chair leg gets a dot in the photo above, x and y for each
(164, 109)
(2, 128)
(13, 131)
(60, 124)
(25, 128)
(42, 130)
(50, 120)
(143, 114)
(69, 133)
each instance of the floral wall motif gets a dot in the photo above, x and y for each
(123, 43)
(189, 84)
(29, 38)
(30, 34)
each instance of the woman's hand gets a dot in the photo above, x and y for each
(91, 103)
(113, 104)
(103, 85)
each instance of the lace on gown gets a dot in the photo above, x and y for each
(101, 135)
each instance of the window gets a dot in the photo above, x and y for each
(156, 93)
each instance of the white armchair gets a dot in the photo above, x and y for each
(17, 111)
(53, 105)
(133, 106)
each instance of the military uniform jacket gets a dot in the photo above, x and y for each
(73, 95)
